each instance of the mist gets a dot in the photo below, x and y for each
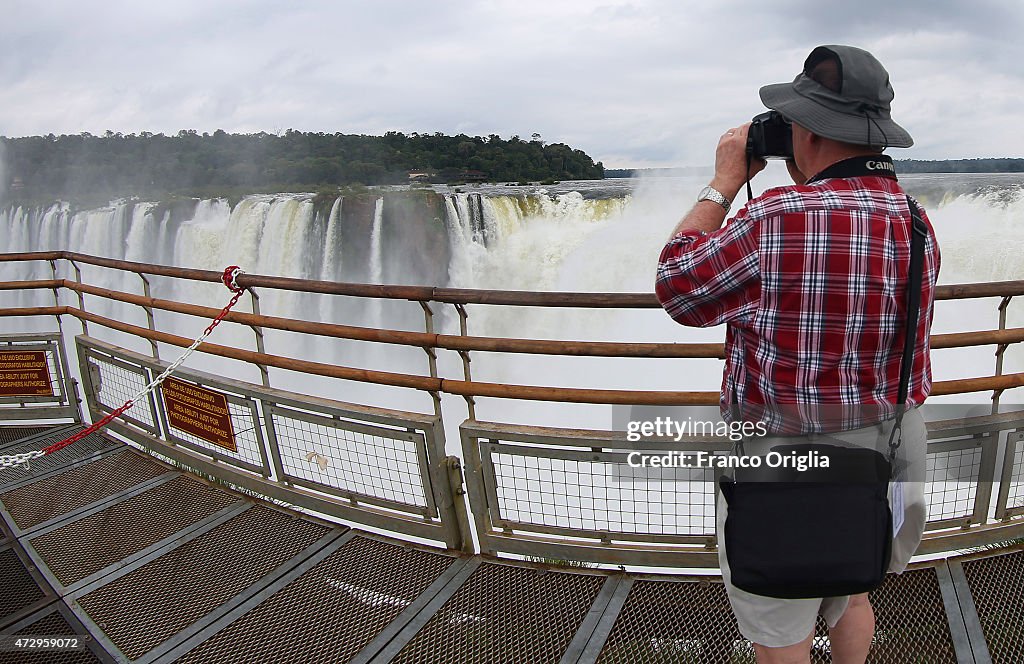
(3, 172)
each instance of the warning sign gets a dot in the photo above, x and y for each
(24, 373)
(199, 411)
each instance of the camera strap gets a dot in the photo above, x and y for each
(878, 166)
(918, 233)
(750, 161)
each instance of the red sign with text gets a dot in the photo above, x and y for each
(199, 411)
(24, 373)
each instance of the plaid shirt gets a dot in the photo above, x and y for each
(811, 281)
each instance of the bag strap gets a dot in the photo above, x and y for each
(917, 236)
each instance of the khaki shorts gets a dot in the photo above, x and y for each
(776, 623)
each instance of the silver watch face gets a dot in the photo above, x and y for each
(711, 194)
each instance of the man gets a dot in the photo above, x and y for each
(811, 281)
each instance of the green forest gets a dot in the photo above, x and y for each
(73, 167)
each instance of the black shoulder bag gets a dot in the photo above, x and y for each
(822, 532)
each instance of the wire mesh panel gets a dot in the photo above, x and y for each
(329, 613)
(508, 614)
(673, 621)
(77, 487)
(379, 465)
(145, 607)
(92, 543)
(951, 483)
(114, 382)
(567, 491)
(996, 584)
(245, 436)
(592, 495)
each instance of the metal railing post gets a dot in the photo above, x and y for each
(81, 296)
(428, 324)
(56, 299)
(445, 471)
(1003, 509)
(456, 486)
(264, 372)
(464, 354)
(1000, 351)
(150, 320)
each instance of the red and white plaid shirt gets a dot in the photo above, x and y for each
(811, 281)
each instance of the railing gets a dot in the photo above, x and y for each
(378, 467)
(49, 386)
(555, 493)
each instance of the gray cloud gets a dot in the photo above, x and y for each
(632, 83)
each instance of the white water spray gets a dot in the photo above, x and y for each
(376, 244)
(534, 241)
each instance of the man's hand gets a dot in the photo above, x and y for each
(731, 162)
(730, 175)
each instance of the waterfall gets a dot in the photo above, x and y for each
(490, 238)
(376, 244)
(331, 269)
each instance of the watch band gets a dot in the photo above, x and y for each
(709, 193)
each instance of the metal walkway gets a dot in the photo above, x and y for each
(144, 563)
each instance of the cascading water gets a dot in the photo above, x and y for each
(332, 259)
(376, 244)
(489, 238)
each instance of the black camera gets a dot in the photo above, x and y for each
(770, 137)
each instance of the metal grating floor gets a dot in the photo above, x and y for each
(49, 497)
(89, 544)
(910, 620)
(671, 621)
(80, 450)
(173, 567)
(9, 434)
(51, 624)
(506, 614)
(332, 611)
(911, 626)
(146, 606)
(20, 590)
(996, 585)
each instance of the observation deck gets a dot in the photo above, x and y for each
(221, 520)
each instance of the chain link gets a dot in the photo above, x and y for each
(230, 275)
(12, 460)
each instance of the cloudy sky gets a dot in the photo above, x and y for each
(642, 83)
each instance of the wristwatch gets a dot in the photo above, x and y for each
(709, 193)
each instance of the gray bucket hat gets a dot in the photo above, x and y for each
(857, 113)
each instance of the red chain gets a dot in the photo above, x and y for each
(228, 279)
(96, 426)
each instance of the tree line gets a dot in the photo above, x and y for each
(73, 166)
(987, 165)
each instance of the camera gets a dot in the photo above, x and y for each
(770, 137)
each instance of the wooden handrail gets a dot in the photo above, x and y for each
(471, 343)
(468, 388)
(420, 339)
(453, 295)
